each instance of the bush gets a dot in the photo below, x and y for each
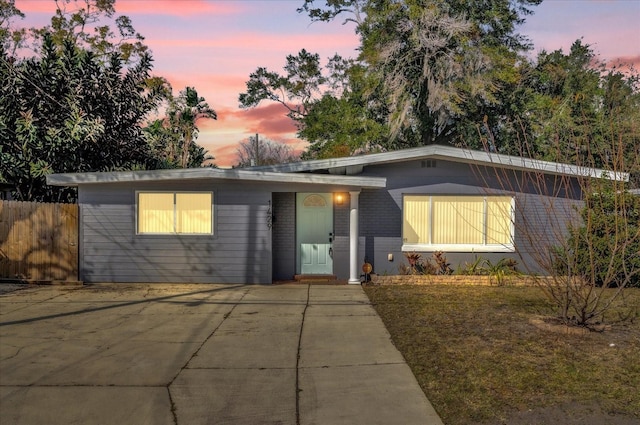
(483, 267)
(417, 266)
(605, 248)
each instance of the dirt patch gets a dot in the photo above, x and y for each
(550, 324)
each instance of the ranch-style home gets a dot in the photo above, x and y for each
(320, 217)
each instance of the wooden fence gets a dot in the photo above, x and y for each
(38, 241)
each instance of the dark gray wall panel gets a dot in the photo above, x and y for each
(540, 219)
(239, 251)
(284, 236)
(341, 256)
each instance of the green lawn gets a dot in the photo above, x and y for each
(479, 357)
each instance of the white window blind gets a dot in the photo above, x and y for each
(457, 223)
(417, 219)
(457, 220)
(175, 212)
(499, 222)
(155, 213)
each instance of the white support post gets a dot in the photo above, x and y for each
(354, 276)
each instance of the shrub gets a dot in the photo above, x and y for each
(605, 248)
(484, 267)
(418, 266)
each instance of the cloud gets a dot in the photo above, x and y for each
(146, 7)
(35, 6)
(270, 119)
(179, 7)
(625, 62)
(609, 27)
(226, 155)
(240, 53)
(218, 89)
(257, 41)
(221, 137)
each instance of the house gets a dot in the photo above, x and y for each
(321, 217)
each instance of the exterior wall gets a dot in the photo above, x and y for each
(284, 236)
(539, 217)
(239, 251)
(244, 249)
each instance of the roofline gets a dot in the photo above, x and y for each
(448, 153)
(75, 179)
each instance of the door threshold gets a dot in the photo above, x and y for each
(320, 279)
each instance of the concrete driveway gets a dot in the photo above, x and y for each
(201, 354)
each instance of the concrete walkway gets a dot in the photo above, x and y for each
(201, 354)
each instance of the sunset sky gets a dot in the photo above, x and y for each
(214, 45)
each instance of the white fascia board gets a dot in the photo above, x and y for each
(448, 153)
(526, 164)
(75, 179)
(369, 159)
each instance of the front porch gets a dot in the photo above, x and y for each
(346, 248)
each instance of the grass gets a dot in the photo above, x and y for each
(479, 358)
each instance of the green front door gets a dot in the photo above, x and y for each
(314, 230)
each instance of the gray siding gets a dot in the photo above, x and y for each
(539, 217)
(239, 251)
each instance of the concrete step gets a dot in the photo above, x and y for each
(315, 279)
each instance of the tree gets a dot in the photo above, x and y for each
(441, 68)
(260, 151)
(576, 105)
(165, 143)
(604, 247)
(181, 120)
(328, 104)
(429, 71)
(345, 120)
(581, 231)
(338, 127)
(10, 38)
(79, 103)
(333, 8)
(92, 25)
(296, 90)
(68, 111)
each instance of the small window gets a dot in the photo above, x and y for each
(458, 223)
(188, 213)
(314, 201)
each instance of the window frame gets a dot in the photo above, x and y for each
(468, 247)
(174, 193)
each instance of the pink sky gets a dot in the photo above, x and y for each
(215, 45)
